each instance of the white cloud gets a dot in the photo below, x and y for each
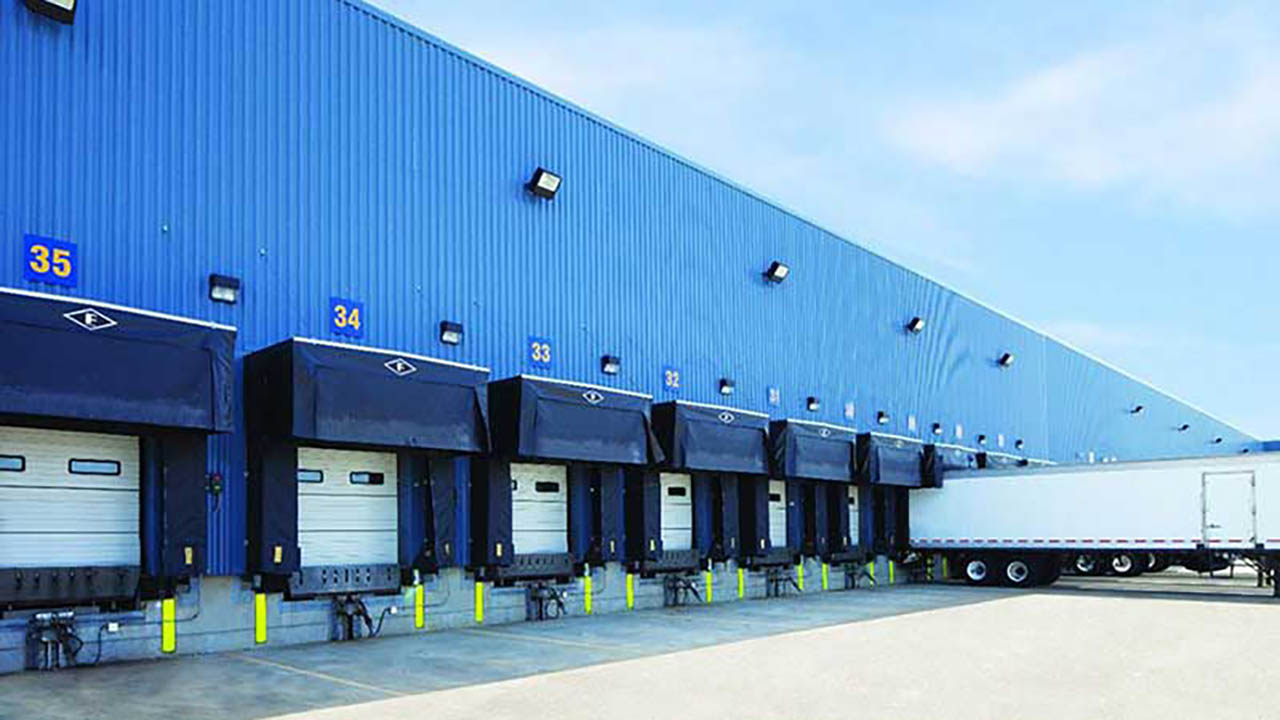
(1189, 115)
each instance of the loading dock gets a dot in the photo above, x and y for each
(550, 499)
(889, 467)
(691, 501)
(104, 416)
(353, 454)
(813, 467)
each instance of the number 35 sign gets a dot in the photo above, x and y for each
(50, 261)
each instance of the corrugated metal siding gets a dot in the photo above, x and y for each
(317, 148)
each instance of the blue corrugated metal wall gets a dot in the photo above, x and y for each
(318, 148)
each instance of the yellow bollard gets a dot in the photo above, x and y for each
(260, 618)
(586, 591)
(710, 590)
(800, 576)
(631, 591)
(419, 606)
(479, 602)
(168, 625)
(742, 583)
(945, 574)
(825, 577)
(890, 572)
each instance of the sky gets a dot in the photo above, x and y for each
(1108, 172)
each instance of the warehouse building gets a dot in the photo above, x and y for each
(315, 326)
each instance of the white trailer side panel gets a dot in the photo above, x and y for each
(1224, 503)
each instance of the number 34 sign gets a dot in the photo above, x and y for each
(346, 317)
(50, 261)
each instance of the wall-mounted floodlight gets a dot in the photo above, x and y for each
(450, 332)
(1184, 427)
(1217, 441)
(915, 325)
(936, 428)
(544, 183)
(882, 418)
(982, 439)
(1019, 444)
(1138, 409)
(1005, 360)
(777, 272)
(726, 386)
(1244, 451)
(812, 403)
(224, 289)
(610, 364)
(64, 11)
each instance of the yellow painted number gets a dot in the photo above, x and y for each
(346, 318)
(40, 262)
(61, 263)
(540, 352)
(672, 378)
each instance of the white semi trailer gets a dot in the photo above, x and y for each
(1019, 526)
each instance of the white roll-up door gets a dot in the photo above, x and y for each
(539, 508)
(853, 515)
(68, 499)
(347, 508)
(778, 513)
(677, 510)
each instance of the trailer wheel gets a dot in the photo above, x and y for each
(1128, 564)
(1159, 563)
(977, 571)
(1018, 572)
(1086, 564)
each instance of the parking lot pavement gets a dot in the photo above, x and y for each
(272, 681)
(1046, 655)
(909, 651)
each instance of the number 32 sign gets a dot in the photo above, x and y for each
(50, 261)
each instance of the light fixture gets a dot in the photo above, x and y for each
(1184, 427)
(812, 403)
(1005, 360)
(450, 332)
(610, 364)
(64, 11)
(777, 272)
(1244, 451)
(544, 183)
(1138, 409)
(982, 439)
(915, 325)
(1018, 443)
(937, 428)
(1217, 441)
(224, 289)
(882, 418)
(726, 386)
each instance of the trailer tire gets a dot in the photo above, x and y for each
(1127, 564)
(978, 571)
(1018, 572)
(1086, 564)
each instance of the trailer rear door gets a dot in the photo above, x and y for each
(1230, 516)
